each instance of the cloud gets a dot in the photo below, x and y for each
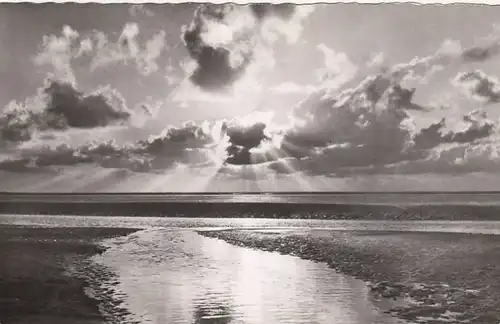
(450, 52)
(127, 48)
(242, 139)
(390, 145)
(264, 10)
(59, 106)
(137, 157)
(448, 159)
(104, 154)
(479, 86)
(208, 42)
(368, 128)
(140, 9)
(476, 126)
(195, 145)
(487, 48)
(338, 69)
(190, 144)
(363, 130)
(61, 52)
(103, 107)
(58, 52)
(376, 60)
(364, 125)
(223, 40)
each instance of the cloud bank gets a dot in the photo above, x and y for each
(341, 128)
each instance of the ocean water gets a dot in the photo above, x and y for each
(400, 198)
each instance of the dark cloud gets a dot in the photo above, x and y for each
(478, 127)
(184, 145)
(175, 145)
(80, 110)
(264, 10)
(214, 68)
(430, 136)
(368, 118)
(220, 64)
(17, 126)
(479, 86)
(452, 160)
(242, 139)
(402, 98)
(481, 53)
(190, 135)
(60, 106)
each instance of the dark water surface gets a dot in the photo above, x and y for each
(489, 198)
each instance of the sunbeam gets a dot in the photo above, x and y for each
(100, 180)
(65, 179)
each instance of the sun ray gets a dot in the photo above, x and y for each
(16, 182)
(296, 176)
(130, 182)
(158, 182)
(98, 179)
(217, 154)
(67, 175)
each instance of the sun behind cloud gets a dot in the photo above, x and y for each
(221, 97)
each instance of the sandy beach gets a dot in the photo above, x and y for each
(434, 277)
(41, 277)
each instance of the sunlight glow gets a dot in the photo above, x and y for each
(255, 117)
(73, 179)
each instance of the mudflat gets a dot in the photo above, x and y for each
(434, 277)
(41, 277)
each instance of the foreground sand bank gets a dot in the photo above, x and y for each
(39, 274)
(437, 277)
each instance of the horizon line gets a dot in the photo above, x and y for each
(200, 193)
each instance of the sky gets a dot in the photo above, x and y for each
(217, 98)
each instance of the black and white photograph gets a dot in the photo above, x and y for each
(249, 163)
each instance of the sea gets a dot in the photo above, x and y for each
(394, 198)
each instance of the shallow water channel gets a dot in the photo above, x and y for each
(178, 276)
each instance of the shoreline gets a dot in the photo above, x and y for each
(46, 274)
(435, 277)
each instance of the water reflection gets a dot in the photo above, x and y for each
(182, 277)
(212, 314)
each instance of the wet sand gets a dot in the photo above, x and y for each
(41, 277)
(435, 277)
